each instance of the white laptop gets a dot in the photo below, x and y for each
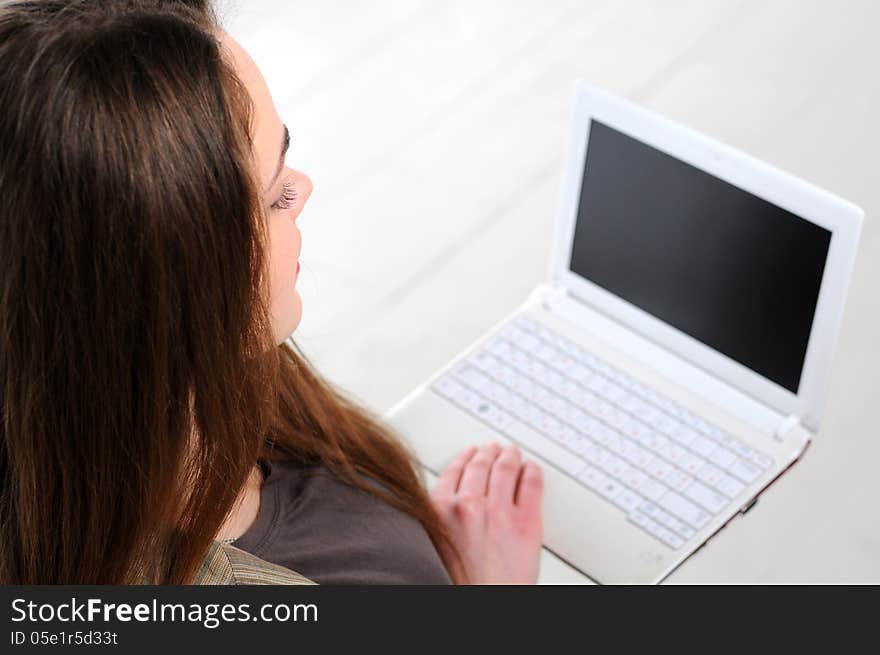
(675, 363)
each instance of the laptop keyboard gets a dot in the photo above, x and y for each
(667, 469)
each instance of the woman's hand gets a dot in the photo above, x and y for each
(491, 504)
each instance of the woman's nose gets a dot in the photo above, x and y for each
(304, 182)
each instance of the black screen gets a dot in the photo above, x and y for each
(727, 268)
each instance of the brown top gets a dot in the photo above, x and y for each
(333, 533)
(227, 565)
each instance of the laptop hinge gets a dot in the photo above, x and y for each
(790, 422)
(554, 294)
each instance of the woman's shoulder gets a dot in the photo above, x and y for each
(225, 564)
(313, 521)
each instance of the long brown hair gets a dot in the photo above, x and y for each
(139, 380)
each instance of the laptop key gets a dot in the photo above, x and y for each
(498, 419)
(667, 520)
(446, 387)
(684, 435)
(592, 477)
(684, 509)
(588, 450)
(610, 488)
(706, 497)
(668, 537)
(760, 460)
(639, 519)
(722, 457)
(745, 471)
(652, 490)
(677, 480)
(634, 478)
(703, 446)
(730, 486)
(738, 447)
(628, 500)
(474, 378)
(710, 475)
(681, 528)
(656, 530)
(691, 463)
(527, 324)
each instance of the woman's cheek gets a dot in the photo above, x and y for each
(286, 304)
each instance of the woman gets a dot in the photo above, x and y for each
(150, 248)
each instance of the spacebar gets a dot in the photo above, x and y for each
(543, 447)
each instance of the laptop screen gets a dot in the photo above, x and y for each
(725, 267)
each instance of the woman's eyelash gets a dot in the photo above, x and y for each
(288, 196)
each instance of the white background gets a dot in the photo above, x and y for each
(434, 132)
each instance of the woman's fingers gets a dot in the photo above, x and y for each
(503, 477)
(497, 535)
(450, 478)
(475, 479)
(530, 488)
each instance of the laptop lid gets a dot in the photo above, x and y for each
(734, 265)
